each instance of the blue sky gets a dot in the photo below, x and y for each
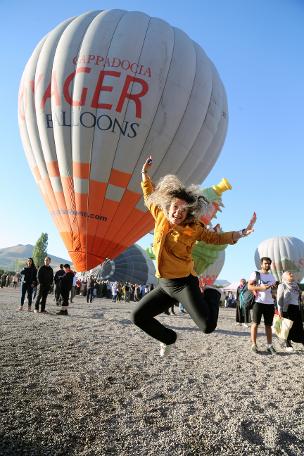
(257, 47)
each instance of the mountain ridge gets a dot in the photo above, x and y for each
(20, 252)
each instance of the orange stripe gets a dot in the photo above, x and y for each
(97, 193)
(60, 200)
(81, 170)
(68, 191)
(36, 173)
(119, 178)
(108, 210)
(96, 197)
(53, 168)
(142, 226)
(67, 239)
(126, 205)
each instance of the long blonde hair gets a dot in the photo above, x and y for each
(170, 187)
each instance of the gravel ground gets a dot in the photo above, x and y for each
(93, 384)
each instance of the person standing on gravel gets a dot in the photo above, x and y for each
(29, 281)
(58, 274)
(66, 283)
(90, 289)
(176, 210)
(289, 298)
(242, 313)
(45, 281)
(264, 303)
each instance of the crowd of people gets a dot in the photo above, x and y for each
(8, 279)
(64, 285)
(270, 297)
(117, 291)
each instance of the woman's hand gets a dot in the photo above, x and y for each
(250, 228)
(147, 165)
(246, 231)
(145, 168)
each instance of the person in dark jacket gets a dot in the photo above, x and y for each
(29, 281)
(45, 281)
(58, 274)
(91, 286)
(242, 315)
(66, 283)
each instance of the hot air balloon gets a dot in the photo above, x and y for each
(214, 196)
(210, 275)
(100, 93)
(206, 254)
(133, 265)
(286, 253)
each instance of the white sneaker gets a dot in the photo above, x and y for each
(289, 349)
(35, 311)
(165, 349)
(245, 325)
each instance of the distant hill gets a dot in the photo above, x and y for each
(221, 283)
(9, 256)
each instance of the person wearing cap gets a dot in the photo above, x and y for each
(177, 210)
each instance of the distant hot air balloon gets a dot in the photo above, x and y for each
(286, 253)
(133, 265)
(100, 93)
(210, 275)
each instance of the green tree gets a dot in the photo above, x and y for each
(40, 250)
(149, 251)
(19, 264)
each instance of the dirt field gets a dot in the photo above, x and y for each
(93, 384)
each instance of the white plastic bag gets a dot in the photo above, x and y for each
(281, 326)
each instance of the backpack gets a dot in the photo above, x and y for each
(247, 297)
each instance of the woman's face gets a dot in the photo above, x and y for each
(178, 211)
(29, 262)
(289, 276)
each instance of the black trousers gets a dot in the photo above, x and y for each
(65, 296)
(296, 333)
(43, 291)
(242, 315)
(90, 293)
(29, 290)
(202, 308)
(57, 291)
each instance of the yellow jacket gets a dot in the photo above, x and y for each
(172, 246)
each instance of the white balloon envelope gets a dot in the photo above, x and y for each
(100, 93)
(286, 253)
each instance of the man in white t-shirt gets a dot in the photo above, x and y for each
(264, 303)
